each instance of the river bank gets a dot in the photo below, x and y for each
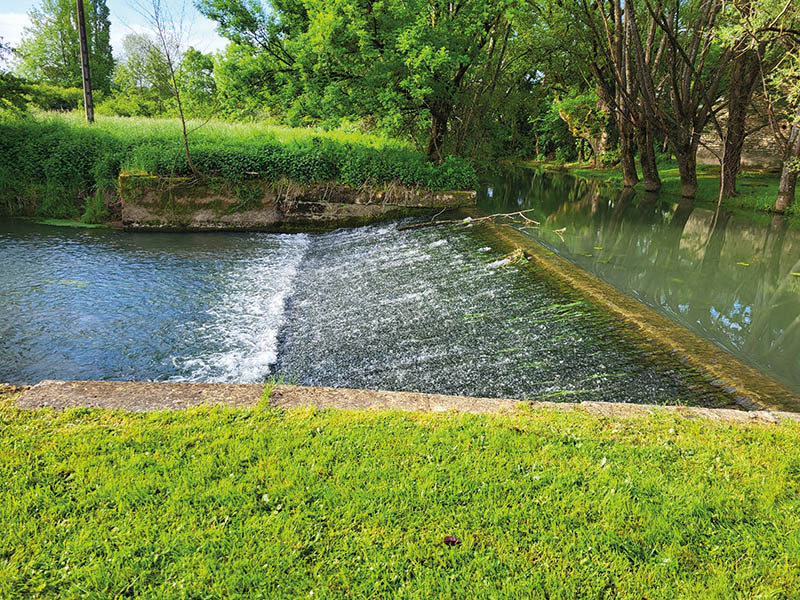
(57, 167)
(341, 502)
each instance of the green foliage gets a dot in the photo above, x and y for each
(196, 83)
(50, 50)
(95, 210)
(415, 67)
(13, 90)
(142, 85)
(53, 165)
(53, 97)
(335, 504)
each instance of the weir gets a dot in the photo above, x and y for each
(429, 310)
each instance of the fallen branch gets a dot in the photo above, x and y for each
(470, 220)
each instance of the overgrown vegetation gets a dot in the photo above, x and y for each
(219, 503)
(52, 165)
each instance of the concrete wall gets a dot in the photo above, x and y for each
(153, 203)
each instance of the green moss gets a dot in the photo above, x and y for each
(68, 223)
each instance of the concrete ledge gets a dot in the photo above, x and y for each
(291, 396)
(139, 396)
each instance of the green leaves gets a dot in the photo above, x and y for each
(56, 163)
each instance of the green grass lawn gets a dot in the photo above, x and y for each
(218, 503)
(215, 130)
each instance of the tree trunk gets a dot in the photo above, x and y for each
(687, 167)
(788, 175)
(647, 158)
(627, 159)
(439, 118)
(786, 189)
(744, 75)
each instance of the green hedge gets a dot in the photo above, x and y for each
(50, 166)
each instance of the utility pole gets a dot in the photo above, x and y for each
(88, 104)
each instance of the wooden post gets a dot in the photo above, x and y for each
(88, 104)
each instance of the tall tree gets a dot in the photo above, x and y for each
(141, 79)
(50, 48)
(168, 40)
(683, 98)
(396, 58)
(770, 31)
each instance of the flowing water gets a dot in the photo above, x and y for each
(733, 279)
(429, 310)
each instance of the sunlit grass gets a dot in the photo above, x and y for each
(220, 503)
(133, 127)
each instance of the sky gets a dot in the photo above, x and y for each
(124, 20)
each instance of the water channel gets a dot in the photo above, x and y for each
(733, 279)
(430, 310)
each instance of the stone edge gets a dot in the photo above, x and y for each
(151, 396)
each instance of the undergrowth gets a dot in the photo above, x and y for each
(56, 166)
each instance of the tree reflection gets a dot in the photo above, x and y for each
(727, 277)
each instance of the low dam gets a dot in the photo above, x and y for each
(437, 310)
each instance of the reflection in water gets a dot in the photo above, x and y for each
(731, 279)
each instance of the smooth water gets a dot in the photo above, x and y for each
(429, 310)
(733, 279)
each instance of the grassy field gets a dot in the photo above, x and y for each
(211, 130)
(217, 503)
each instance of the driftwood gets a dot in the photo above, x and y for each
(469, 220)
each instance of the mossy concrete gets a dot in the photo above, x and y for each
(181, 203)
(139, 396)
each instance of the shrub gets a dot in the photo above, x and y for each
(53, 97)
(62, 163)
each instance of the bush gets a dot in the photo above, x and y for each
(62, 163)
(610, 158)
(53, 97)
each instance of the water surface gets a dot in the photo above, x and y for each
(428, 310)
(733, 279)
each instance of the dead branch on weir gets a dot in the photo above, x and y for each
(470, 220)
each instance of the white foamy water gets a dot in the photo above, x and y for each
(246, 317)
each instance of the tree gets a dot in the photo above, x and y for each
(50, 48)
(141, 79)
(405, 60)
(773, 26)
(682, 98)
(13, 90)
(580, 112)
(196, 81)
(168, 39)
